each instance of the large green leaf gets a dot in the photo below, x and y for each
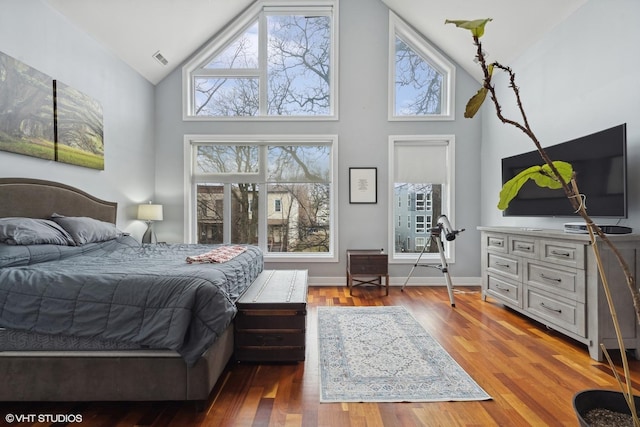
(546, 178)
(542, 176)
(476, 26)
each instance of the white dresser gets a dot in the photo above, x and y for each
(551, 277)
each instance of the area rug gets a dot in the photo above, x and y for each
(382, 354)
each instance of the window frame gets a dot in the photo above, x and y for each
(420, 202)
(242, 23)
(448, 195)
(191, 181)
(417, 42)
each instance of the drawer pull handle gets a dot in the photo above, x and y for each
(542, 276)
(266, 339)
(523, 247)
(559, 253)
(500, 264)
(502, 288)
(555, 310)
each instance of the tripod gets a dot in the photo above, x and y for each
(436, 234)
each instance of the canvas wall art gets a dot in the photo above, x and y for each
(26, 110)
(79, 129)
(45, 118)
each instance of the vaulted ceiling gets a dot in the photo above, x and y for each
(136, 30)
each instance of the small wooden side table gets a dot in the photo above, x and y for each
(367, 263)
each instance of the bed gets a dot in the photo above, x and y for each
(98, 316)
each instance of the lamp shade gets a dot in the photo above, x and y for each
(150, 212)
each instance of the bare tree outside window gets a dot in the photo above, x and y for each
(210, 211)
(297, 190)
(244, 215)
(298, 65)
(297, 76)
(225, 159)
(418, 85)
(227, 97)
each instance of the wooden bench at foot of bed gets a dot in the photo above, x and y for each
(271, 322)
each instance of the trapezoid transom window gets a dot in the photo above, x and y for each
(422, 80)
(273, 61)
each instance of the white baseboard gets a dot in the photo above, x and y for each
(399, 281)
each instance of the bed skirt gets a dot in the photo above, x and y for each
(147, 375)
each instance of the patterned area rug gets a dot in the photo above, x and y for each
(382, 354)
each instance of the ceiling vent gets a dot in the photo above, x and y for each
(160, 58)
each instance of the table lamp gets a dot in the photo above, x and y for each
(149, 213)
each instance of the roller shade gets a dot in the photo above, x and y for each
(420, 162)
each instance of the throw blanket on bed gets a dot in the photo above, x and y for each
(122, 291)
(221, 254)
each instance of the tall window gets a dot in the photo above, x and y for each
(421, 201)
(274, 61)
(422, 80)
(421, 169)
(277, 193)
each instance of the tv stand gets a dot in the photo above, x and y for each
(551, 277)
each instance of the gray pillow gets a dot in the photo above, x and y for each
(83, 229)
(32, 231)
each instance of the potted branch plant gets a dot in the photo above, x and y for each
(560, 175)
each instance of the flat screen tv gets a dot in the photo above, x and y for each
(600, 163)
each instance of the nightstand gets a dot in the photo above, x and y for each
(367, 263)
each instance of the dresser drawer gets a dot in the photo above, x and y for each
(496, 243)
(505, 265)
(523, 246)
(566, 282)
(563, 253)
(566, 314)
(504, 290)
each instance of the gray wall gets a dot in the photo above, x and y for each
(580, 78)
(363, 131)
(36, 34)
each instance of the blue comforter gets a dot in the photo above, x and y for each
(121, 290)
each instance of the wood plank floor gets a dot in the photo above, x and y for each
(530, 371)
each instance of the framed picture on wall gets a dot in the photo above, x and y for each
(363, 185)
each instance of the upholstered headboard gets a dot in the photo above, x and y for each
(35, 198)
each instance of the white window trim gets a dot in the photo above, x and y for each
(243, 22)
(418, 43)
(190, 222)
(448, 208)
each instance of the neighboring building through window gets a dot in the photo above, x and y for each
(421, 85)
(422, 171)
(277, 194)
(277, 60)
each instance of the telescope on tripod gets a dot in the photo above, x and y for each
(443, 227)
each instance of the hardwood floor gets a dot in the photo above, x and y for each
(530, 371)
